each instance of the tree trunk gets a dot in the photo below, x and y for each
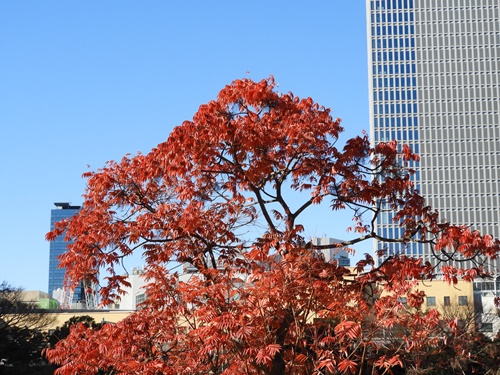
(278, 364)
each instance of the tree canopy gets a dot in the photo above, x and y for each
(225, 194)
(22, 330)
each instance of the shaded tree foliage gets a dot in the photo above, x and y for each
(22, 332)
(226, 194)
(63, 331)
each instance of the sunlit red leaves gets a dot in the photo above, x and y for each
(348, 329)
(255, 140)
(131, 340)
(216, 196)
(415, 298)
(468, 243)
(347, 366)
(266, 355)
(386, 362)
(399, 269)
(327, 364)
(364, 263)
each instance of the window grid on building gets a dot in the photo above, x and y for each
(434, 82)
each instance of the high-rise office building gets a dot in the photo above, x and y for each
(57, 247)
(434, 82)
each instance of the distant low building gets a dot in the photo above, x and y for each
(135, 294)
(99, 316)
(41, 299)
(334, 253)
(485, 292)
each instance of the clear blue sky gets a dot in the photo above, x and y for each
(90, 81)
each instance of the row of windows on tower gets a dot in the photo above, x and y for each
(403, 135)
(390, 109)
(392, 17)
(394, 56)
(411, 249)
(391, 4)
(395, 95)
(386, 217)
(387, 136)
(393, 30)
(474, 207)
(485, 138)
(394, 82)
(395, 122)
(448, 25)
(394, 69)
(394, 232)
(393, 42)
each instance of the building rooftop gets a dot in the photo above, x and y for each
(66, 206)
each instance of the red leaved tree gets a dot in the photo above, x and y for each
(225, 195)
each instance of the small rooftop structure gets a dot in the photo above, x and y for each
(66, 206)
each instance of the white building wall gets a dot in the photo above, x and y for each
(133, 293)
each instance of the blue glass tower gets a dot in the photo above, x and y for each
(57, 247)
(393, 84)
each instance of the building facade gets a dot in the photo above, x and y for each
(434, 72)
(339, 255)
(57, 247)
(134, 294)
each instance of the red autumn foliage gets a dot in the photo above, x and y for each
(225, 194)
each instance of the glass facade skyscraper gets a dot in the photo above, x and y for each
(434, 82)
(57, 247)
